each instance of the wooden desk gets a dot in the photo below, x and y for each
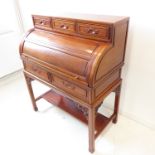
(80, 58)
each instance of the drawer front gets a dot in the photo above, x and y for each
(42, 22)
(94, 31)
(38, 71)
(64, 25)
(56, 81)
(69, 87)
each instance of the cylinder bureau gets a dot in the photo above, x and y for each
(80, 57)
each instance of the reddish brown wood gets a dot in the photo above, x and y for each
(29, 86)
(79, 57)
(91, 127)
(67, 26)
(116, 105)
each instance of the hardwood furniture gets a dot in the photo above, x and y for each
(80, 57)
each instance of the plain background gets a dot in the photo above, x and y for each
(138, 95)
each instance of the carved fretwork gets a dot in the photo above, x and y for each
(84, 110)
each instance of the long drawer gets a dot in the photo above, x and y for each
(56, 81)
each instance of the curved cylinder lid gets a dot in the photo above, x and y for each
(69, 54)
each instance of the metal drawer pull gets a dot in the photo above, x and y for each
(64, 27)
(42, 22)
(91, 31)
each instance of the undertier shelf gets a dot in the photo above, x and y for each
(71, 107)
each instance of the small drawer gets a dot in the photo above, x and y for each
(69, 87)
(95, 31)
(38, 71)
(42, 22)
(64, 25)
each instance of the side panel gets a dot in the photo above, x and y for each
(107, 82)
(115, 56)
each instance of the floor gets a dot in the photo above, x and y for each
(53, 132)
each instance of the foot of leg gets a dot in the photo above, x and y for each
(91, 126)
(116, 104)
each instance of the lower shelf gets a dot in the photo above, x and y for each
(70, 107)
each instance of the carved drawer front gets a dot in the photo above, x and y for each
(42, 22)
(95, 31)
(38, 71)
(64, 25)
(69, 87)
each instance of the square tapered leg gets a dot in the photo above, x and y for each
(91, 126)
(29, 86)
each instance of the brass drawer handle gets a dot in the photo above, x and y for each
(42, 22)
(91, 31)
(76, 77)
(64, 27)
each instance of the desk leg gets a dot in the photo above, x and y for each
(29, 86)
(116, 104)
(91, 126)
